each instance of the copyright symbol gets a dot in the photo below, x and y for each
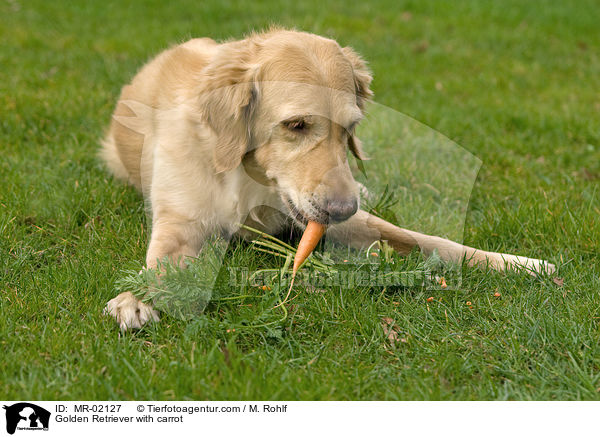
(140, 408)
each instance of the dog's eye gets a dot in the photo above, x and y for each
(298, 125)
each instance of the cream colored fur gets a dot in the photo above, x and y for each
(218, 134)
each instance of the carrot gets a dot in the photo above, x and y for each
(310, 238)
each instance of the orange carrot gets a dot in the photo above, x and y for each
(312, 234)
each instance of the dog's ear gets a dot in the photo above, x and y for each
(362, 80)
(228, 100)
(355, 146)
(362, 77)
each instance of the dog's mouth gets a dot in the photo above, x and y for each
(303, 217)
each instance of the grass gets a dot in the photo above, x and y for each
(515, 84)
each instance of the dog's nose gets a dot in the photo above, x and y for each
(341, 209)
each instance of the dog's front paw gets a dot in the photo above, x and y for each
(130, 312)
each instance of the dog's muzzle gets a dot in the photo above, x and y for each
(341, 209)
(330, 211)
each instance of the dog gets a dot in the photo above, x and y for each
(257, 131)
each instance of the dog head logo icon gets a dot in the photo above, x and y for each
(26, 416)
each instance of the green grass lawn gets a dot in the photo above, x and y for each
(514, 83)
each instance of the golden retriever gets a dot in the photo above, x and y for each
(219, 134)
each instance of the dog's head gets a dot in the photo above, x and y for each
(285, 105)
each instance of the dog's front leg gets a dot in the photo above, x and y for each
(174, 239)
(363, 229)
